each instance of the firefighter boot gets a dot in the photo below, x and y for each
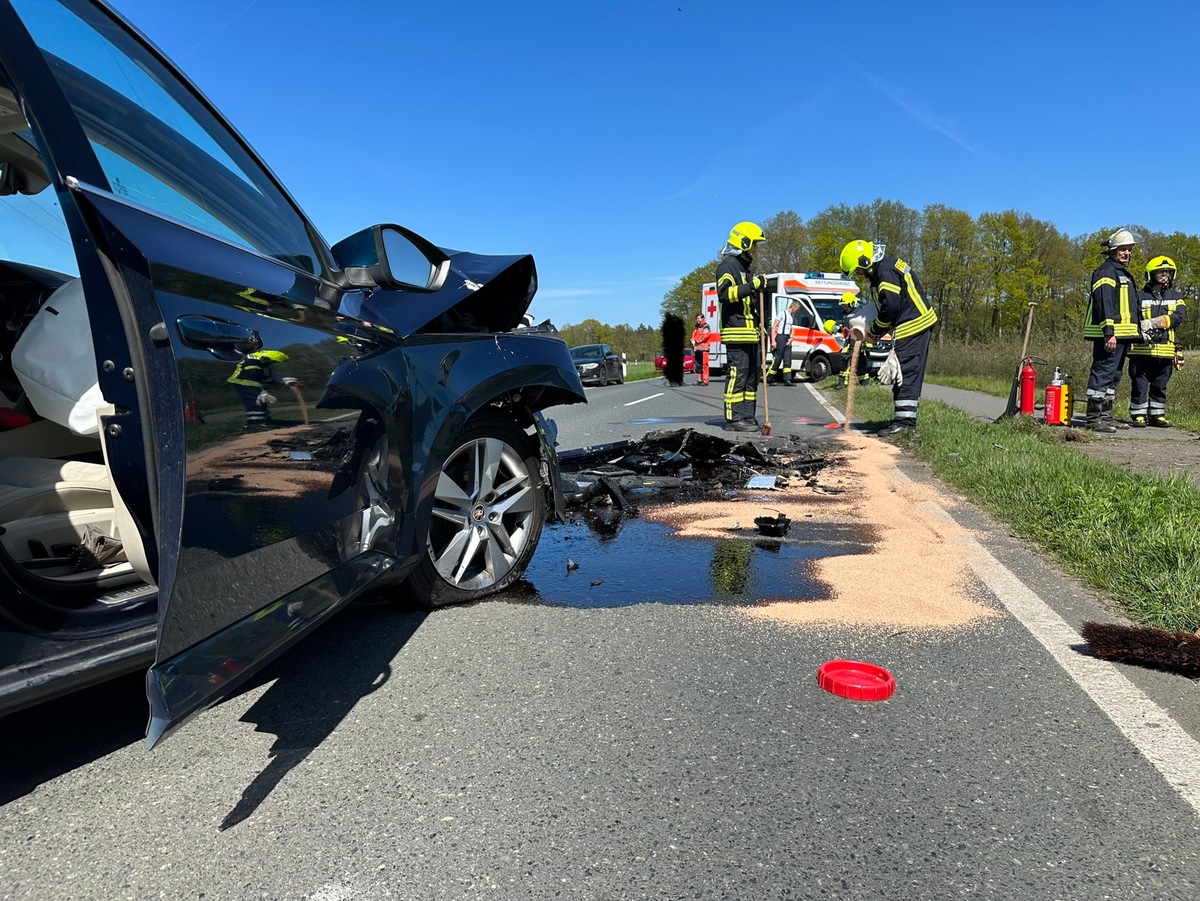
(1107, 416)
(1160, 422)
(1095, 416)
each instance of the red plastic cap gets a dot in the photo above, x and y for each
(856, 680)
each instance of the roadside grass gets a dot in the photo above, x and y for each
(636, 372)
(1133, 536)
(990, 368)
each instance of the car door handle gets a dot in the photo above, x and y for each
(210, 333)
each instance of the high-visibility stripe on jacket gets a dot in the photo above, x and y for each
(1112, 303)
(738, 300)
(252, 373)
(1160, 343)
(903, 310)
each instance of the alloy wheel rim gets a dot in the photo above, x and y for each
(483, 514)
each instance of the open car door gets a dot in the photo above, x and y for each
(217, 344)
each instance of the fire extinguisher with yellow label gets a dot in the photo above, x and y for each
(1052, 412)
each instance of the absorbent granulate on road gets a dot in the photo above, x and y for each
(916, 574)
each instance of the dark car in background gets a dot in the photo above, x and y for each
(597, 364)
(222, 428)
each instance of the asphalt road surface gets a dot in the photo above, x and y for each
(528, 750)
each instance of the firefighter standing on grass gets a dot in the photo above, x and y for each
(1110, 325)
(903, 311)
(1152, 360)
(737, 291)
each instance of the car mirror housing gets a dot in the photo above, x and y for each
(391, 256)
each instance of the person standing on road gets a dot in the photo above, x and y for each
(701, 335)
(780, 372)
(738, 292)
(1110, 326)
(903, 311)
(1152, 360)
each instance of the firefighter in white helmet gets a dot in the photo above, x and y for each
(906, 313)
(1152, 360)
(737, 292)
(1111, 326)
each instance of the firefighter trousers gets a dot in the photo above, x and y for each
(741, 381)
(1148, 377)
(781, 361)
(912, 353)
(1106, 370)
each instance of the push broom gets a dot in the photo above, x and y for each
(762, 308)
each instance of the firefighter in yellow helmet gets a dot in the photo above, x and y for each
(738, 288)
(251, 377)
(903, 310)
(1110, 325)
(1152, 360)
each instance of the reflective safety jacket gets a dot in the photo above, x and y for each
(1161, 341)
(903, 309)
(1112, 304)
(701, 336)
(252, 373)
(738, 299)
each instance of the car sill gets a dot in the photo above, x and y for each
(199, 677)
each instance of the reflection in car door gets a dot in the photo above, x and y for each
(217, 350)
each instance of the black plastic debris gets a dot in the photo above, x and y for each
(774, 526)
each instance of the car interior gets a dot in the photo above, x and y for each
(64, 535)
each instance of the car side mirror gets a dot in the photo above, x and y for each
(390, 256)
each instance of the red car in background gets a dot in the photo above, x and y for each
(689, 361)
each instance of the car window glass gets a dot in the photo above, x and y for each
(33, 231)
(158, 144)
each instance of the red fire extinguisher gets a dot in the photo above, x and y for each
(1053, 405)
(1028, 387)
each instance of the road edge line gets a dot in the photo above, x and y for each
(1165, 744)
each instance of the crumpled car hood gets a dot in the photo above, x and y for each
(482, 293)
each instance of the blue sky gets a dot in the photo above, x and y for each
(618, 141)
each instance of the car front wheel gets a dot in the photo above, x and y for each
(488, 511)
(819, 368)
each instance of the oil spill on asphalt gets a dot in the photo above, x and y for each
(634, 561)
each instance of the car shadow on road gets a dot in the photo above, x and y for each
(317, 685)
(313, 688)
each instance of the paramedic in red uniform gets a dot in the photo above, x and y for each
(903, 311)
(738, 291)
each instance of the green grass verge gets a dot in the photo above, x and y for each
(1131, 535)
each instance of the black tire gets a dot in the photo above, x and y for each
(375, 521)
(488, 510)
(819, 368)
(621, 377)
(603, 382)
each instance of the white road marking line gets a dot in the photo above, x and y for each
(651, 397)
(833, 411)
(1162, 741)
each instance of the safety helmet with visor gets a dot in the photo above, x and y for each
(860, 255)
(1119, 239)
(1161, 264)
(745, 236)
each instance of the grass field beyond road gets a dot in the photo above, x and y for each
(1131, 535)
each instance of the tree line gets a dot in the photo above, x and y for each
(981, 272)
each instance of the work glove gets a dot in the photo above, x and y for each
(759, 282)
(889, 372)
(1155, 324)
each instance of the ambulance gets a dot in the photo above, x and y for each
(816, 350)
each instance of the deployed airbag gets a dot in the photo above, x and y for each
(55, 362)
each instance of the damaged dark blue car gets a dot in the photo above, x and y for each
(217, 429)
